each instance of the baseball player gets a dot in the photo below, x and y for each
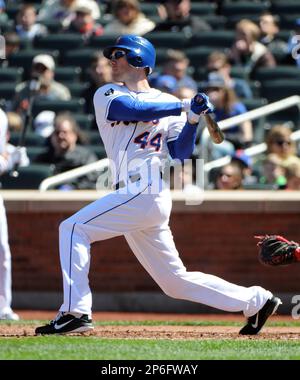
(6, 163)
(140, 126)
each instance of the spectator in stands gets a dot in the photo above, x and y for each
(176, 65)
(269, 27)
(226, 106)
(100, 73)
(84, 22)
(177, 18)
(12, 45)
(128, 19)
(218, 62)
(65, 152)
(26, 25)
(280, 143)
(3, 15)
(294, 43)
(43, 123)
(292, 174)
(247, 51)
(230, 177)
(165, 83)
(185, 92)
(270, 171)
(43, 67)
(15, 122)
(63, 10)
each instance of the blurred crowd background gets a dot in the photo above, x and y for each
(243, 54)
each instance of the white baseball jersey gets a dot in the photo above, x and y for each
(138, 143)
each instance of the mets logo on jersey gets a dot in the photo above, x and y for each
(109, 92)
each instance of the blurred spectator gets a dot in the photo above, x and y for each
(294, 43)
(63, 10)
(280, 143)
(128, 19)
(3, 15)
(177, 18)
(270, 171)
(176, 65)
(226, 106)
(12, 45)
(218, 62)
(84, 22)
(292, 174)
(247, 51)
(245, 162)
(43, 67)
(15, 122)
(65, 152)
(185, 92)
(26, 25)
(165, 83)
(43, 123)
(269, 27)
(99, 73)
(230, 177)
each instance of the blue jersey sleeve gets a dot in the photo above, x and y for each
(182, 148)
(125, 108)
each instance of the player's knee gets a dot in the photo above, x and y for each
(173, 288)
(65, 226)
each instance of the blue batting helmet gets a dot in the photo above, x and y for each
(140, 52)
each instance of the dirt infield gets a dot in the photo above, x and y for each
(158, 332)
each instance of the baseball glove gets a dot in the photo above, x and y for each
(276, 250)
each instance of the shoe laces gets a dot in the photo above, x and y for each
(58, 316)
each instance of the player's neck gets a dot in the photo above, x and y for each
(137, 84)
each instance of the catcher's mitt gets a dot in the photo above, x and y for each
(276, 250)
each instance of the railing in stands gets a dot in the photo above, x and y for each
(224, 124)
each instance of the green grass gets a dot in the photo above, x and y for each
(66, 347)
(95, 348)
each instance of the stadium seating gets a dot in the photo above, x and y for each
(73, 105)
(11, 74)
(276, 73)
(230, 8)
(216, 38)
(76, 88)
(280, 88)
(67, 73)
(29, 177)
(174, 40)
(31, 139)
(79, 57)
(7, 90)
(61, 42)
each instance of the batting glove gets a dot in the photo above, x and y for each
(200, 104)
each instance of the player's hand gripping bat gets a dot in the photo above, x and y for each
(214, 130)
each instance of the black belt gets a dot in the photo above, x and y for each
(133, 178)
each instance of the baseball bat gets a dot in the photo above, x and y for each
(214, 130)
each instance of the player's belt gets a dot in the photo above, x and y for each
(132, 178)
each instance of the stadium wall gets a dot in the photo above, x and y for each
(215, 237)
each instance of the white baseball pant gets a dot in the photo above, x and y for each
(143, 220)
(5, 263)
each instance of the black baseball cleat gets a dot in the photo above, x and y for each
(256, 321)
(66, 323)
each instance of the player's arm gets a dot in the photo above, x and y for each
(182, 148)
(125, 108)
